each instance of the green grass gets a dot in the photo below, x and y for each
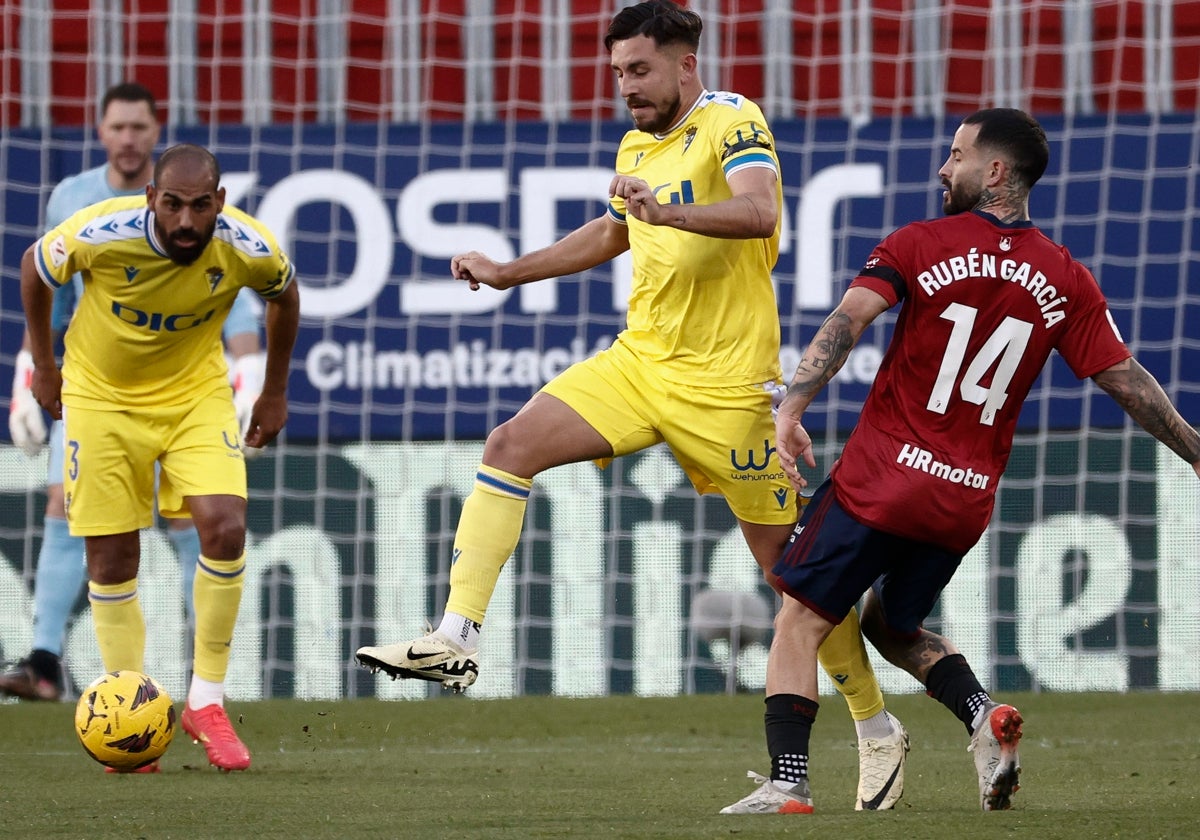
(620, 767)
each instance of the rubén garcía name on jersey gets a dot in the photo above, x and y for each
(147, 330)
(984, 304)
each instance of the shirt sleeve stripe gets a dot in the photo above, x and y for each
(287, 281)
(757, 159)
(615, 216)
(886, 274)
(43, 270)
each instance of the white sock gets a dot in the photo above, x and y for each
(876, 726)
(461, 629)
(204, 693)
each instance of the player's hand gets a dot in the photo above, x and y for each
(248, 373)
(47, 389)
(640, 201)
(266, 420)
(478, 270)
(792, 442)
(26, 425)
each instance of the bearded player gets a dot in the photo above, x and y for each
(145, 382)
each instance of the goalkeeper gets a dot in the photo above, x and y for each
(697, 200)
(128, 130)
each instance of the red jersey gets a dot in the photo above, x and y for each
(984, 304)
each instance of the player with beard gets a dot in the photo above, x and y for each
(986, 296)
(145, 382)
(128, 130)
(697, 200)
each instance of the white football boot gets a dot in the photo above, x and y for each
(769, 798)
(881, 769)
(995, 746)
(434, 657)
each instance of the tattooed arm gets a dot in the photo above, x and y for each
(1137, 391)
(823, 358)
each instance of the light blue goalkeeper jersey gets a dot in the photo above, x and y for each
(89, 187)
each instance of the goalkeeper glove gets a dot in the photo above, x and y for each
(248, 373)
(25, 422)
(778, 391)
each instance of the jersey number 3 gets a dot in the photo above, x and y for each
(1007, 344)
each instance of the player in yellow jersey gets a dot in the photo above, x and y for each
(697, 200)
(144, 381)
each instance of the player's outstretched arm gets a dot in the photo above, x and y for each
(38, 300)
(1137, 391)
(586, 247)
(823, 358)
(270, 409)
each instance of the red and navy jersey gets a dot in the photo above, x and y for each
(984, 304)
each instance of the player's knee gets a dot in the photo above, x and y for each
(870, 619)
(222, 538)
(506, 448)
(112, 559)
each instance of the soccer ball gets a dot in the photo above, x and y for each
(125, 720)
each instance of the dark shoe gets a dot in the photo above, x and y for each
(26, 682)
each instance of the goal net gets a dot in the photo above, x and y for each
(377, 138)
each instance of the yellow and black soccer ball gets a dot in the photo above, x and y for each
(125, 720)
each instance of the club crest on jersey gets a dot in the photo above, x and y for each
(215, 275)
(1005, 243)
(689, 134)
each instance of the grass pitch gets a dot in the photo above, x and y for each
(1094, 765)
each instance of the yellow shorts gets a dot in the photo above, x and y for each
(109, 462)
(722, 437)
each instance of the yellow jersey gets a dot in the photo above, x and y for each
(701, 307)
(147, 331)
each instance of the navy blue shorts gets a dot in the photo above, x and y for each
(832, 559)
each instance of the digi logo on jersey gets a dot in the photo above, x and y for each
(684, 195)
(159, 322)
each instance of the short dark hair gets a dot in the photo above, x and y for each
(128, 92)
(662, 20)
(1018, 136)
(188, 153)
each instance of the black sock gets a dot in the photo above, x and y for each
(789, 719)
(46, 665)
(952, 683)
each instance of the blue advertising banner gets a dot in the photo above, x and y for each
(392, 349)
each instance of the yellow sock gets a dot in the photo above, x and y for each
(844, 657)
(120, 625)
(216, 593)
(488, 530)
